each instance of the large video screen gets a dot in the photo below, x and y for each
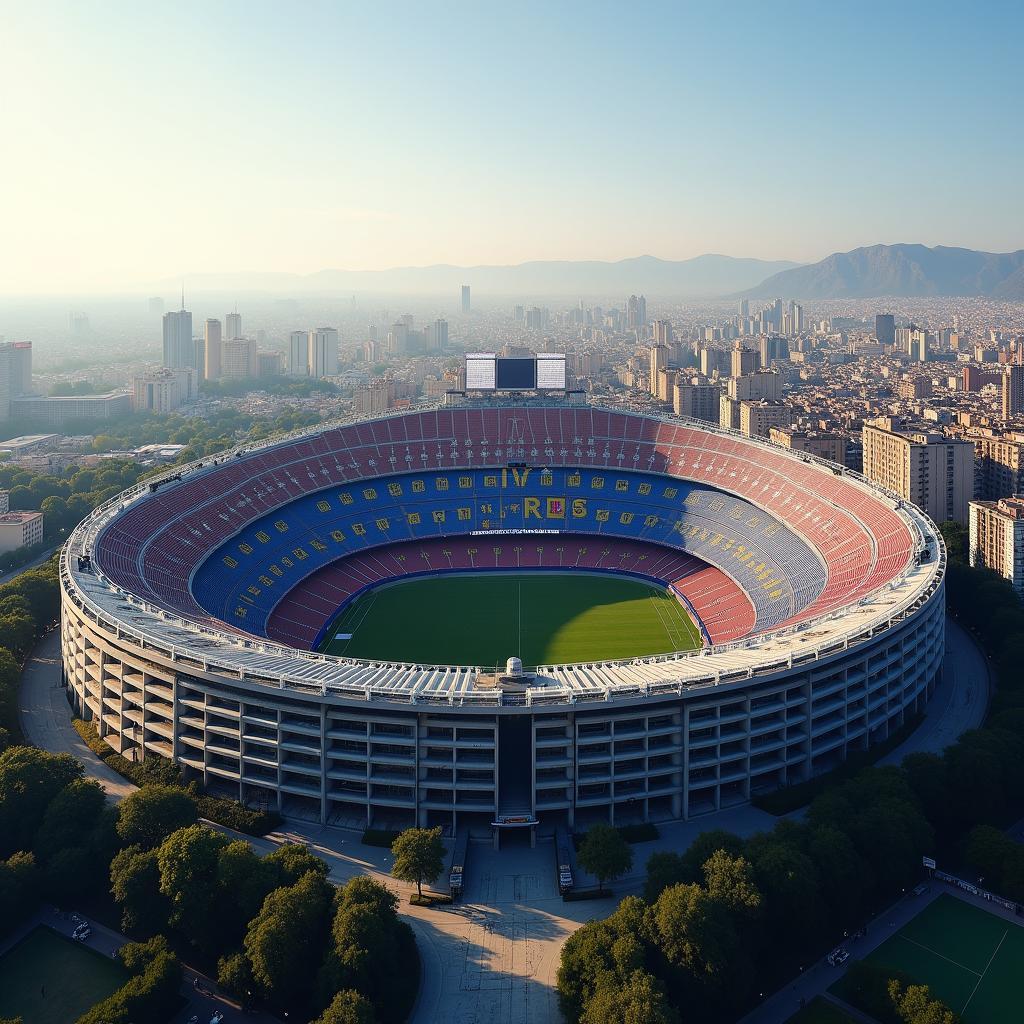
(516, 374)
(480, 371)
(551, 371)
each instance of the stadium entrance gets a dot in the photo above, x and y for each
(515, 779)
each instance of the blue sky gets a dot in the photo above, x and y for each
(146, 139)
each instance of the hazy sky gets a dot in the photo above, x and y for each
(147, 140)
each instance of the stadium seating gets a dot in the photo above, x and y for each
(839, 542)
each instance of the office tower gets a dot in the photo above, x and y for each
(745, 307)
(917, 345)
(661, 332)
(398, 339)
(238, 359)
(199, 359)
(298, 354)
(232, 326)
(214, 340)
(21, 368)
(934, 472)
(636, 312)
(885, 328)
(536, 318)
(268, 364)
(517, 313)
(772, 348)
(179, 351)
(323, 352)
(796, 318)
(743, 361)
(439, 335)
(658, 362)
(1012, 391)
(466, 306)
(996, 538)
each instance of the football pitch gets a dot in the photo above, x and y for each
(972, 960)
(542, 618)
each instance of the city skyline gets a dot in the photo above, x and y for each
(282, 142)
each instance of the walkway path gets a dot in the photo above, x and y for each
(493, 958)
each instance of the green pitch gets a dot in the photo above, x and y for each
(49, 979)
(972, 960)
(542, 618)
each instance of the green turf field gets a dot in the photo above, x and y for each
(49, 979)
(482, 619)
(972, 960)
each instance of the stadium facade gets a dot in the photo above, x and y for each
(192, 604)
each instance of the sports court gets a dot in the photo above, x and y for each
(483, 619)
(972, 960)
(50, 979)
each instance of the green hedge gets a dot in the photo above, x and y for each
(382, 837)
(643, 832)
(160, 771)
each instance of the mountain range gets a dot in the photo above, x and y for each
(901, 270)
(703, 276)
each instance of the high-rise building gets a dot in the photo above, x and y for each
(934, 472)
(636, 312)
(238, 359)
(214, 340)
(199, 344)
(1012, 391)
(996, 538)
(179, 352)
(21, 368)
(743, 361)
(772, 348)
(885, 328)
(998, 466)
(658, 362)
(466, 304)
(162, 390)
(823, 445)
(323, 352)
(697, 398)
(298, 354)
(661, 332)
(758, 418)
(398, 339)
(268, 364)
(232, 326)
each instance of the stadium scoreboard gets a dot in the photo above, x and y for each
(486, 371)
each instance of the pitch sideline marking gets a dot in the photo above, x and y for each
(935, 952)
(981, 977)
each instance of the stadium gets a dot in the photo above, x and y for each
(502, 610)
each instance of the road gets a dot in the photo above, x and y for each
(493, 958)
(38, 560)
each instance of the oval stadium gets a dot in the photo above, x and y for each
(507, 612)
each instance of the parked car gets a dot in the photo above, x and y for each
(838, 957)
(82, 932)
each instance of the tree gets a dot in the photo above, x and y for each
(640, 999)
(695, 933)
(291, 861)
(70, 819)
(245, 879)
(29, 780)
(188, 862)
(664, 868)
(286, 939)
(730, 880)
(347, 1007)
(419, 856)
(916, 1006)
(235, 976)
(18, 884)
(150, 814)
(605, 854)
(135, 886)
